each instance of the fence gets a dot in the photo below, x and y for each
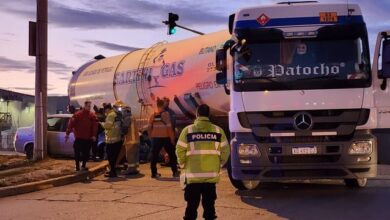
(7, 140)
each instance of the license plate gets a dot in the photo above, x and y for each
(330, 17)
(304, 150)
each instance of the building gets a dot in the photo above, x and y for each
(18, 110)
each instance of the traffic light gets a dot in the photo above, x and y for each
(172, 18)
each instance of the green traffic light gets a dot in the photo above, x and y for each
(172, 31)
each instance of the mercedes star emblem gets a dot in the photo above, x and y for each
(303, 121)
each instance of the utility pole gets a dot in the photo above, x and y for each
(40, 143)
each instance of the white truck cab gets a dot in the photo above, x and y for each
(304, 97)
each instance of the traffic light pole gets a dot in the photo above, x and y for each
(189, 29)
(171, 23)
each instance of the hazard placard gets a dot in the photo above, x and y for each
(328, 17)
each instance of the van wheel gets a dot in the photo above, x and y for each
(29, 149)
(250, 184)
(356, 183)
(241, 184)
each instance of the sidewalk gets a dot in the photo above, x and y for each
(11, 153)
(23, 176)
(9, 160)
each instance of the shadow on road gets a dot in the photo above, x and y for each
(115, 179)
(320, 201)
(138, 176)
(168, 179)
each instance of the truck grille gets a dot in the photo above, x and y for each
(304, 159)
(343, 121)
(306, 173)
(303, 139)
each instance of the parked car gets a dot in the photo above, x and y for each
(56, 146)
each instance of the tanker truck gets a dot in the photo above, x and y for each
(293, 80)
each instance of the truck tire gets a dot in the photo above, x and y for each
(356, 183)
(29, 149)
(240, 184)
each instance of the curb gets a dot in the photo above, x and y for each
(54, 182)
(15, 164)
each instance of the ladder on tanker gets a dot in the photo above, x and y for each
(143, 85)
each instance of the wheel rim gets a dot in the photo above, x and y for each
(362, 181)
(250, 184)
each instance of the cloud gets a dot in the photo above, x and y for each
(26, 88)
(9, 34)
(190, 13)
(57, 65)
(82, 55)
(135, 14)
(111, 46)
(63, 16)
(65, 78)
(22, 88)
(9, 64)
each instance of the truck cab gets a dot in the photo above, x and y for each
(304, 97)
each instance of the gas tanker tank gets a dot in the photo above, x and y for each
(182, 71)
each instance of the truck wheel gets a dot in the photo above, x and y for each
(240, 184)
(29, 149)
(356, 183)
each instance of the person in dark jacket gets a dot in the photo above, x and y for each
(160, 130)
(84, 126)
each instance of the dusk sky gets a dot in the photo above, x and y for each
(82, 29)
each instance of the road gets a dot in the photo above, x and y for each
(146, 198)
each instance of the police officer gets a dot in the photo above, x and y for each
(202, 149)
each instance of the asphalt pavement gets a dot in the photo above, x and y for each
(142, 197)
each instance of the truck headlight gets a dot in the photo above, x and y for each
(248, 150)
(360, 147)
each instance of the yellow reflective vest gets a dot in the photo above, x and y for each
(202, 149)
(112, 128)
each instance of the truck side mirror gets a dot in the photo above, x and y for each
(221, 60)
(385, 74)
(221, 78)
(231, 22)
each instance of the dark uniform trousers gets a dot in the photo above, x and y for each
(113, 150)
(193, 193)
(81, 151)
(159, 143)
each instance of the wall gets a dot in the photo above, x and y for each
(22, 113)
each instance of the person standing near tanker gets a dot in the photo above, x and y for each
(84, 126)
(161, 132)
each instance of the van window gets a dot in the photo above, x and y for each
(54, 124)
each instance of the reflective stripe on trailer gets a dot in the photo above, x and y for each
(201, 175)
(203, 152)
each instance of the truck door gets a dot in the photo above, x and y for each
(381, 76)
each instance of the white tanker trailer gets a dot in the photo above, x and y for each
(183, 71)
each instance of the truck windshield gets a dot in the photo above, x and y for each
(302, 64)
